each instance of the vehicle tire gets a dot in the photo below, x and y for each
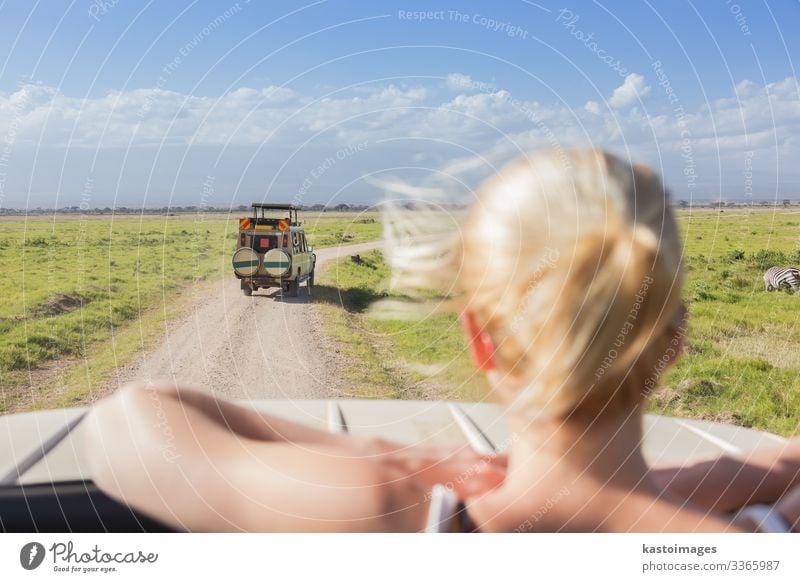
(294, 288)
(310, 283)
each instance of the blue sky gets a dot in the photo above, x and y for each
(147, 104)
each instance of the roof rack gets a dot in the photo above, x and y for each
(263, 208)
(274, 206)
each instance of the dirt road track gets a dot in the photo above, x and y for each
(262, 346)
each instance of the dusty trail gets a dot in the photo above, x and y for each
(262, 346)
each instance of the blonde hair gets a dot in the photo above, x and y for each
(570, 262)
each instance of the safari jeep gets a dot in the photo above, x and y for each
(272, 251)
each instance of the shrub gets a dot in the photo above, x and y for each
(124, 310)
(734, 255)
(758, 364)
(701, 389)
(38, 242)
(14, 357)
(765, 258)
(702, 292)
(730, 298)
(739, 282)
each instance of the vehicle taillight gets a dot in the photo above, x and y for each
(241, 240)
(285, 241)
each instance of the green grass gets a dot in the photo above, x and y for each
(73, 285)
(341, 293)
(743, 360)
(741, 365)
(333, 228)
(70, 284)
(422, 358)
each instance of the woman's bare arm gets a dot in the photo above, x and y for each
(789, 508)
(733, 481)
(239, 419)
(176, 461)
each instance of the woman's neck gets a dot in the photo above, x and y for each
(608, 449)
(570, 475)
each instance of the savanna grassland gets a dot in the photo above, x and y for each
(70, 283)
(392, 357)
(742, 363)
(742, 358)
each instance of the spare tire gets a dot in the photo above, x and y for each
(277, 262)
(246, 262)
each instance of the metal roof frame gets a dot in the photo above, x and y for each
(269, 206)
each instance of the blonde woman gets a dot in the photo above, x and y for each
(567, 277)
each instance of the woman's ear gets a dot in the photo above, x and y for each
(480, 344)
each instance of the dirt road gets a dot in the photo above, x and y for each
(262, 346)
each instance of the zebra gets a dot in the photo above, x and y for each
(782, 277)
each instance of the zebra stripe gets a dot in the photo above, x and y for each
(782, 278)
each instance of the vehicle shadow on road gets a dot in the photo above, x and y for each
(279, 297)
(353, 300)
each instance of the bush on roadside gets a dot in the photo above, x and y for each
(765, 258)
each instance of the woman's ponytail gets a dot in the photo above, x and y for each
(569, 261)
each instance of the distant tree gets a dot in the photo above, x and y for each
(342, 207)
(787, 202)
(683, 204)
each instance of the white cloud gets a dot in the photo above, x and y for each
(632, 90)
(467, 134)
(592, 107)
(458, 81)
(244, 116)
(461, 82)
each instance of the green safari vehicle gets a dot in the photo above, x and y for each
(272, 251)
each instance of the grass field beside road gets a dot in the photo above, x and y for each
(81, 296)
(419, 359)
(743, 358)
(741, 364)
(70, 284)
